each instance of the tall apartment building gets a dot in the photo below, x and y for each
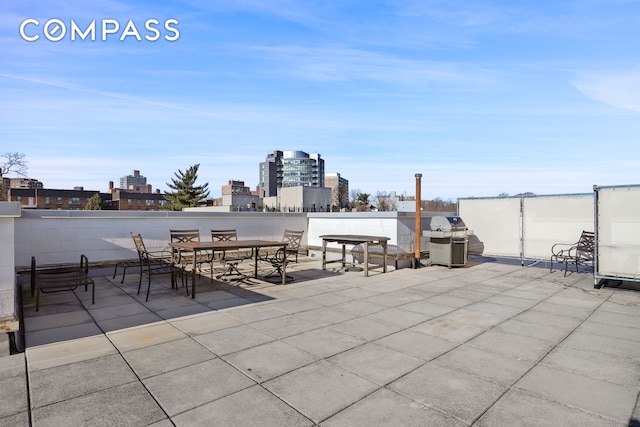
(290, 169)
(339, 189)
(133, 182)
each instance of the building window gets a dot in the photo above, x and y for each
(59, 200)
(47, 200)
(74, 200)
(129, 202)
(149, 202)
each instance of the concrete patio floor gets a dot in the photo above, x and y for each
(490, 344)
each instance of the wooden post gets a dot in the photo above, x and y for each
(418, 217)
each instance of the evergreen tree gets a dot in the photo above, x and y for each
(94, 204)
(186, 193)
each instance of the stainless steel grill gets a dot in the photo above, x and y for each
(449, 241)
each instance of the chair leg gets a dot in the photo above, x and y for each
(140, 281)
(148, 287)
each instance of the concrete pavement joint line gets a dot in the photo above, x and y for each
(511, 386)
(385, 386)
(463, 343)
(139, 380)
(26, 371)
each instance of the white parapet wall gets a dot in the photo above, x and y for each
(62, 236)
(9, 213)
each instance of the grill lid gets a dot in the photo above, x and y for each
(447, 223)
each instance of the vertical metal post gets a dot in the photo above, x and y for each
(418, 217)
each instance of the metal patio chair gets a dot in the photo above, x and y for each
(183, 260)
(152, 263)
(230, 259)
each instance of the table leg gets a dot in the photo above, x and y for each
(193, 277)
(324, 254)
(366, 259)
(255, 263)
(384, 258)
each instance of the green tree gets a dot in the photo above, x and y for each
(186, 193)
(94, 203)
(362, 201)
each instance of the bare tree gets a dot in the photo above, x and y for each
(385, 202)
(13, 163)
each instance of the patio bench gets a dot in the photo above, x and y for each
(57, 278)
(394, 253)
(580, 252)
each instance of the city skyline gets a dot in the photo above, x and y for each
(481, 98)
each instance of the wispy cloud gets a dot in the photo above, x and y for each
(619, 89)
(346, 64)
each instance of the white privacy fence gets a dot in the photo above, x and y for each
(527, 227)
(617, 221)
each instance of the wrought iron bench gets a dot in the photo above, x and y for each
(578, 253)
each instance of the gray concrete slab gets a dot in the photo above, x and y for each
(386, 408)
(324, 342)
(13, 395)
(320, 390)
(160, 358)
(489, 365)
(230, 340)
(250, 407)
(456, 393)
(144, 336)
(422, 346)
(77, 379)
(590, 394)
(285, 326)
(126, 405)
(528, 410)
(197, 384)
(266, 361)
(376, 363)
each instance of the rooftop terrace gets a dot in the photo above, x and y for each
(490, 344)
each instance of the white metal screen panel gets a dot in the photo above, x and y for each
(618, 234)
(554, 219)
(495, 222)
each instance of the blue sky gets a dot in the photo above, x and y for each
(481, 97)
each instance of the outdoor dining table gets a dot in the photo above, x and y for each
(355, 239)
(256, 245)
